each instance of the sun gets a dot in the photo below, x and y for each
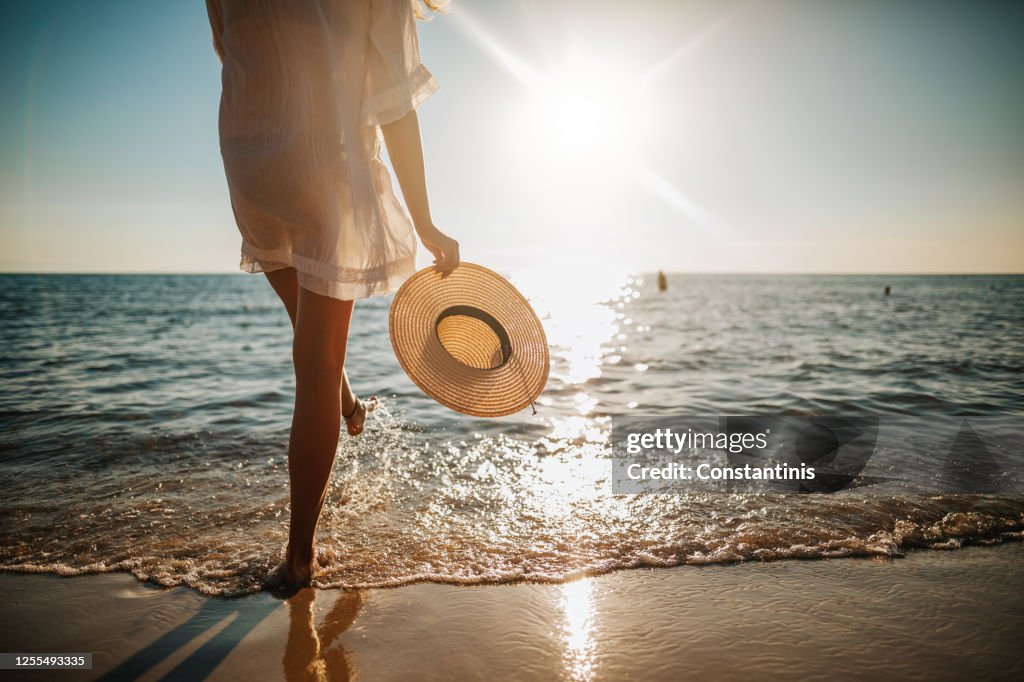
(586, 117)
(580, 133)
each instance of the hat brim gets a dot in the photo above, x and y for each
(426, 298)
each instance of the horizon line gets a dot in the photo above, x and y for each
(749, 273)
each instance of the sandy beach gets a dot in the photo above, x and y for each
(930, 615)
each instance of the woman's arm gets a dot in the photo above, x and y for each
(405, 148)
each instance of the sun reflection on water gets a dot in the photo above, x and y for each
(578, 606)
(576, 430)
(578, 307)
(579, 317)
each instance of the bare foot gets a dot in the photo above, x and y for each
(298, 568)
(356, 420)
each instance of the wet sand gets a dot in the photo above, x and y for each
(931, 615)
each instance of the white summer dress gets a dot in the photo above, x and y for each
(306, 83)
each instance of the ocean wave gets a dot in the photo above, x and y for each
(240, 576)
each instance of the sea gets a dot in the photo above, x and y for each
(144, 422)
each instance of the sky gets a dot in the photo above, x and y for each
(725, 136)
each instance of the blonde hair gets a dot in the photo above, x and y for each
(422, 8)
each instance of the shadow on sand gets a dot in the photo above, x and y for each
(308, 655)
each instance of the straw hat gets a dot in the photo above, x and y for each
(469, 340)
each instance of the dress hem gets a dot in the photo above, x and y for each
(346, 284)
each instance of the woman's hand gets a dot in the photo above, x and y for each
(444, 248)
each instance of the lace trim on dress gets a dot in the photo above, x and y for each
(329, 280)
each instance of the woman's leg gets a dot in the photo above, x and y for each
(286, 285)
(318, 353)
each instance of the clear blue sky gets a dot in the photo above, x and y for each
(781, 136)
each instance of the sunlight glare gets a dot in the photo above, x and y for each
(577, 319)
(474, 30)
(581, 130)
(585, 118)
(578, 605)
